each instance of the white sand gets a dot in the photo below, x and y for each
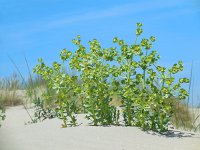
(47, 135)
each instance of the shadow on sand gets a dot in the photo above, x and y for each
(175, 134)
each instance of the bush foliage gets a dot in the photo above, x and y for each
(128, 70)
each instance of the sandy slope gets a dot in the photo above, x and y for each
(48, 135)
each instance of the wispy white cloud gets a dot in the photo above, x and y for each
(131, 8)
(175, 13)
(126, 9)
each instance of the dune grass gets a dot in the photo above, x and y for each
(185, 117)
(10, 91)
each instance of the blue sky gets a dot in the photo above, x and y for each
(41, 28)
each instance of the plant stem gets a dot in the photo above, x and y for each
(191, 71)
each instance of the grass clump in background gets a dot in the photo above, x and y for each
(185, 117)
(10, 91)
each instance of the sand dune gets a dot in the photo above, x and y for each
(48, 135)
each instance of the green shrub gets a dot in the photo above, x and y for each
(145, 85)
(128, 70)
(64, 86)
(95, 88)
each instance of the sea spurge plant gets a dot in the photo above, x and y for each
(146, 85)
(41, 111)
(94, 75)
(129, 70)
(64, 85)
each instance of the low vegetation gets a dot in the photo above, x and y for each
(185, 117)
(124, 81)
(2, 114)
(129, 70)
(9, 87)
